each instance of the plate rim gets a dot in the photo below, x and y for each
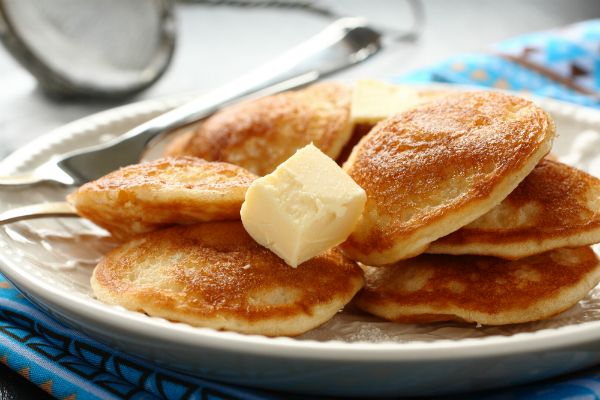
(568, 336)
(534, 341)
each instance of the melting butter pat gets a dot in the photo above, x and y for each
(306, 206)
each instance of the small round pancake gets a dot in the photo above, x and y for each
(215, 275)
(555, 206)
(171, 191)
(433, 169)
(261, 134)
(179, 146)
(486, 290)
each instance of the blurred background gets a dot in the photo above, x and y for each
(218, 41)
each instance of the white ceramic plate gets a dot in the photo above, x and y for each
(51, 261)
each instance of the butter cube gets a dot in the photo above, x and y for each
(306, 206)
(375, 100)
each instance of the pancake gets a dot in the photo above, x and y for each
(555, 206)
(178, 143)
(154, 195)
(215, 275)
(435, 168)
(261, 134)
(486, 290)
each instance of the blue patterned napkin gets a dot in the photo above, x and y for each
(563, 64)
(71, 366)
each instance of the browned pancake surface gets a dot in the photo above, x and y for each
(261, 134)
(555, 206)
(215, 275)
(149, 196)
(179, 146)
(431, 170)
(481, 289)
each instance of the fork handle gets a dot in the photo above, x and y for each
(43, 210)
(345, 42)
(46, 172)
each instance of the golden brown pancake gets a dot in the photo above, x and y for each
(486, 290)
(433, 169)
(179, 145)
(215, 275)
(261, 134)
(149, 196)
(555, 206)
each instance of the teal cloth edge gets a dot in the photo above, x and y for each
(16, 312)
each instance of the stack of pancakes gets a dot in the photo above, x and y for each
(261, 134)
(463, 179)
(465, 218)
(188, 258)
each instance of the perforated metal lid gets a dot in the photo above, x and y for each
(93, 48)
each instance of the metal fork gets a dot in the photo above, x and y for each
(345, 42)
(43, 210)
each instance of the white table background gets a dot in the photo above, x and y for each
(216, 44)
